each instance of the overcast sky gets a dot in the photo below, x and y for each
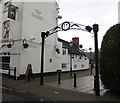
(88, 12)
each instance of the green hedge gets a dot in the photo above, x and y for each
(110, 59)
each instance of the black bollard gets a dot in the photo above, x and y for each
(15, 73)
(58, 76)
(75, 82)
(94, 83)
(9, 72)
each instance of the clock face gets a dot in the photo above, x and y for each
(65, 26)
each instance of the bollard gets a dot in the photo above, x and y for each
(15, 73)
(9, 72)
(59, 77)
(75, 84)
(94, 83)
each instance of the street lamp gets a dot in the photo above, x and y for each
(71, 44)
(97, 86)
(96, 77)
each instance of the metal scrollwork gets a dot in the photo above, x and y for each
(67, 26)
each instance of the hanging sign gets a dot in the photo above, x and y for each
(12, 12)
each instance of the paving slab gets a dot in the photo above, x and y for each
(84, 84)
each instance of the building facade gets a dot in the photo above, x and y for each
(72, 56)
(21, 24)
(119, 11)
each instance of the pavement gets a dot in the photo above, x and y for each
(65, 91)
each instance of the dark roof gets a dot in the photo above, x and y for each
(90, 55)
(71, 49)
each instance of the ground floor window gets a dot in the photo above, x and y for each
(64, 65)
(75, 66)
(5, 62)
(82, 66)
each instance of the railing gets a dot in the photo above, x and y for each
(9, 71)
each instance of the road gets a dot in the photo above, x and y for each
(10, 94)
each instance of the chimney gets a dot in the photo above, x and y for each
(75, 41)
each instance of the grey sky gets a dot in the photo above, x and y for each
(88, 12)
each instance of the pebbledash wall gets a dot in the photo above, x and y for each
(31, 19)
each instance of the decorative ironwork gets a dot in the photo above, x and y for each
(68, 26)
(73, 26)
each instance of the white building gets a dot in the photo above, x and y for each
(72, 56)
(20, 33)
(119, 11)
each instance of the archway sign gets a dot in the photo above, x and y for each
(65, 26)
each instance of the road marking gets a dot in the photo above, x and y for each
(5, 88)
(56, 92)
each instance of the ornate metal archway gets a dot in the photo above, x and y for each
(65, 26)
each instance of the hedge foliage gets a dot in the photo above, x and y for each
(110, 59)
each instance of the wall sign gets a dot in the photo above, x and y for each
(38, 14)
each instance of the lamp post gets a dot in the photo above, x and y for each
(42, 57)
(97, 86)
(71, 44)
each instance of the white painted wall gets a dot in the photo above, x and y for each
(32, 19)
(32, 28)
(119, 11)
(75, 61)
(0, 22)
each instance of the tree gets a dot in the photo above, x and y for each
(110, 59)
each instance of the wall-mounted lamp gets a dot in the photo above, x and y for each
(57, 49)
(85, 58)
(80, 57)
(25, 44)
(88, 28)
(81, 46)
(11, 43)
(59, 17)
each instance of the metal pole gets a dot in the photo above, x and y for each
(91, 62)
(70, 65)
(15, 73)
(75, 82)
(42, 57)
(97, 86)
(59, 77)
(9, 72)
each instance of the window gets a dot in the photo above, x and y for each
(75, 56)
(64, 65)
(5, 62)
(50, 60)
(64, 51)
(82, 66)
(75, 66)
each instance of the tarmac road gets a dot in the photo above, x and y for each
(10, 94)
(33, 91)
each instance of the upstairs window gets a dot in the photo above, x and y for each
(64, 52)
